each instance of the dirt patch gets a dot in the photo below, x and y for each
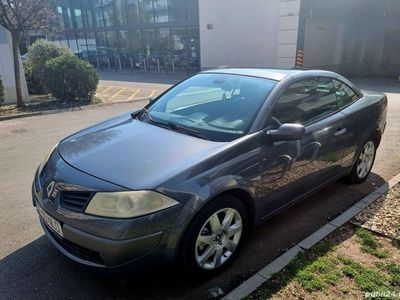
(43, 103)
(383, 216)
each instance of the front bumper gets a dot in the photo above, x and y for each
(95, 251)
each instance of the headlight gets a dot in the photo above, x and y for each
(128, 204)
(46, 158)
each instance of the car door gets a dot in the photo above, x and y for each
(291, 169)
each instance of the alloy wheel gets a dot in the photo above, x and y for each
(218, 238)
(365, 159)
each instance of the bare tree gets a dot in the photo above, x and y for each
(20, 16)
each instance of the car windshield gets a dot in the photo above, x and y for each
(219, 107)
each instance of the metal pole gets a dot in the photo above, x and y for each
(173, 66)
(158, 65)
(145, 66)
(119, 61)
(131, 61)
(109, 65)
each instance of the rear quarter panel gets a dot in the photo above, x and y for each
(364, 118)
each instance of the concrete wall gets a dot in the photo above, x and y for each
(7, 69)
(248, 33)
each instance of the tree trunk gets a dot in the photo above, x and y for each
(17, 71)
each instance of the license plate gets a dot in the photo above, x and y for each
(50, 221)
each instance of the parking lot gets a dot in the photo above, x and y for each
(122, 87)
(32, 268)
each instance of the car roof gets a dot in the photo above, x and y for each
(273, 74)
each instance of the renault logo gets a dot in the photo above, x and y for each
(51, 191)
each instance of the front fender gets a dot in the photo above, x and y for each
(222, 185)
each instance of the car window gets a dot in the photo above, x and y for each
(219, 106)
(306, 101)
(344, 94)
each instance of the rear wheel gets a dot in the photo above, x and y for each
(215, 235)
(364, 163)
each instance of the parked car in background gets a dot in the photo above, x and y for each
(189, 175)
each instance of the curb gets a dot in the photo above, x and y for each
(56, 111)
(262, 276)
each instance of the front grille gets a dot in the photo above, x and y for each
(75, 201)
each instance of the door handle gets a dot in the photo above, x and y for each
(340, 131)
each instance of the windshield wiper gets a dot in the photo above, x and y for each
(172, 125)
(186, 130)
(150, 119)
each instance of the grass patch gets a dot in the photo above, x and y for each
(394, 272)
(305, 269)
(370, 245)
(368, 280)
(326, 269)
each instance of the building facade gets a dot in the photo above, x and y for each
(353, 37)
(160, 35)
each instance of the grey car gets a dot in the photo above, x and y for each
(185, 178)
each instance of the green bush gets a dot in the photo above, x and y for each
(41, 52)
(69, 78)
(1, 91)
(34, 85)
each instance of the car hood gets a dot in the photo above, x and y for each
(133, 154)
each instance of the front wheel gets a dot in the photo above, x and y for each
(364, 163)
(213, 238)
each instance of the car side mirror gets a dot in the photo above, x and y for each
(287, 132)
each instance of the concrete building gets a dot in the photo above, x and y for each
(7, 69)
(254, 33)
(353, 37)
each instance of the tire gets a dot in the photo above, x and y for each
(364, 162)
(207, 248)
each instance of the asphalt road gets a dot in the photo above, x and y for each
(31, 268)
(127, 86)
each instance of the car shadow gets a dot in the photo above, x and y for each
(38, 270)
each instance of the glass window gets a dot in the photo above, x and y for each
(206, 104)
(102, 48)
(82, 46)
(306, 101)
(120, 12)
(163, 40)
(60, 16)
(132, 7)
(149, 40)
(178, 49)
(146, 11)
(161, 11)
(78, 18)
(88, 17)
(67, 18)
(73, 44)
(177, 10)
(98, 11)
(344, 94)
(193, 11)
(108, 9)
(91, 54)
